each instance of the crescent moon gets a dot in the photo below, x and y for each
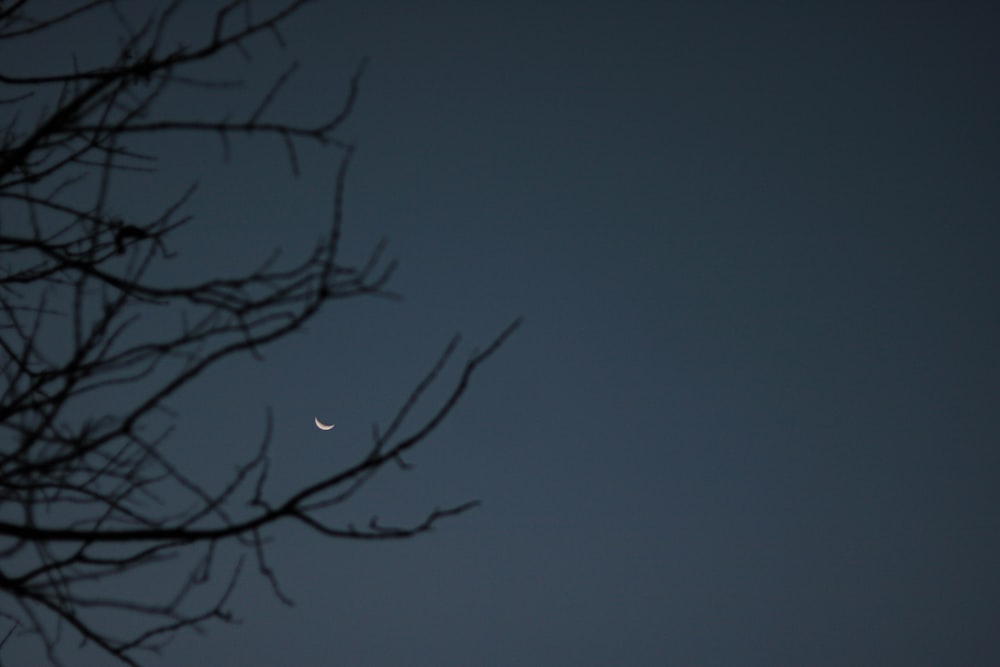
(321, 426)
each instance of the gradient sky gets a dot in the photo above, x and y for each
(752, 416)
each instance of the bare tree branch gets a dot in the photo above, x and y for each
(87, 496)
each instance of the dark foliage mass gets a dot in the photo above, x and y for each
(90, 494)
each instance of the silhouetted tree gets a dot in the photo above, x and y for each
(90, 496)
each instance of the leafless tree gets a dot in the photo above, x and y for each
(87, 497)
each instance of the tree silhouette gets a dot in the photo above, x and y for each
(90, 494)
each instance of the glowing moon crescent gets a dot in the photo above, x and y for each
(320, 425)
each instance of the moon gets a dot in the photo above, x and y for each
(321, 426)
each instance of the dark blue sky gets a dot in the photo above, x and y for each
(752, 416)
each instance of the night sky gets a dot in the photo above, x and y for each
(752, 415)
